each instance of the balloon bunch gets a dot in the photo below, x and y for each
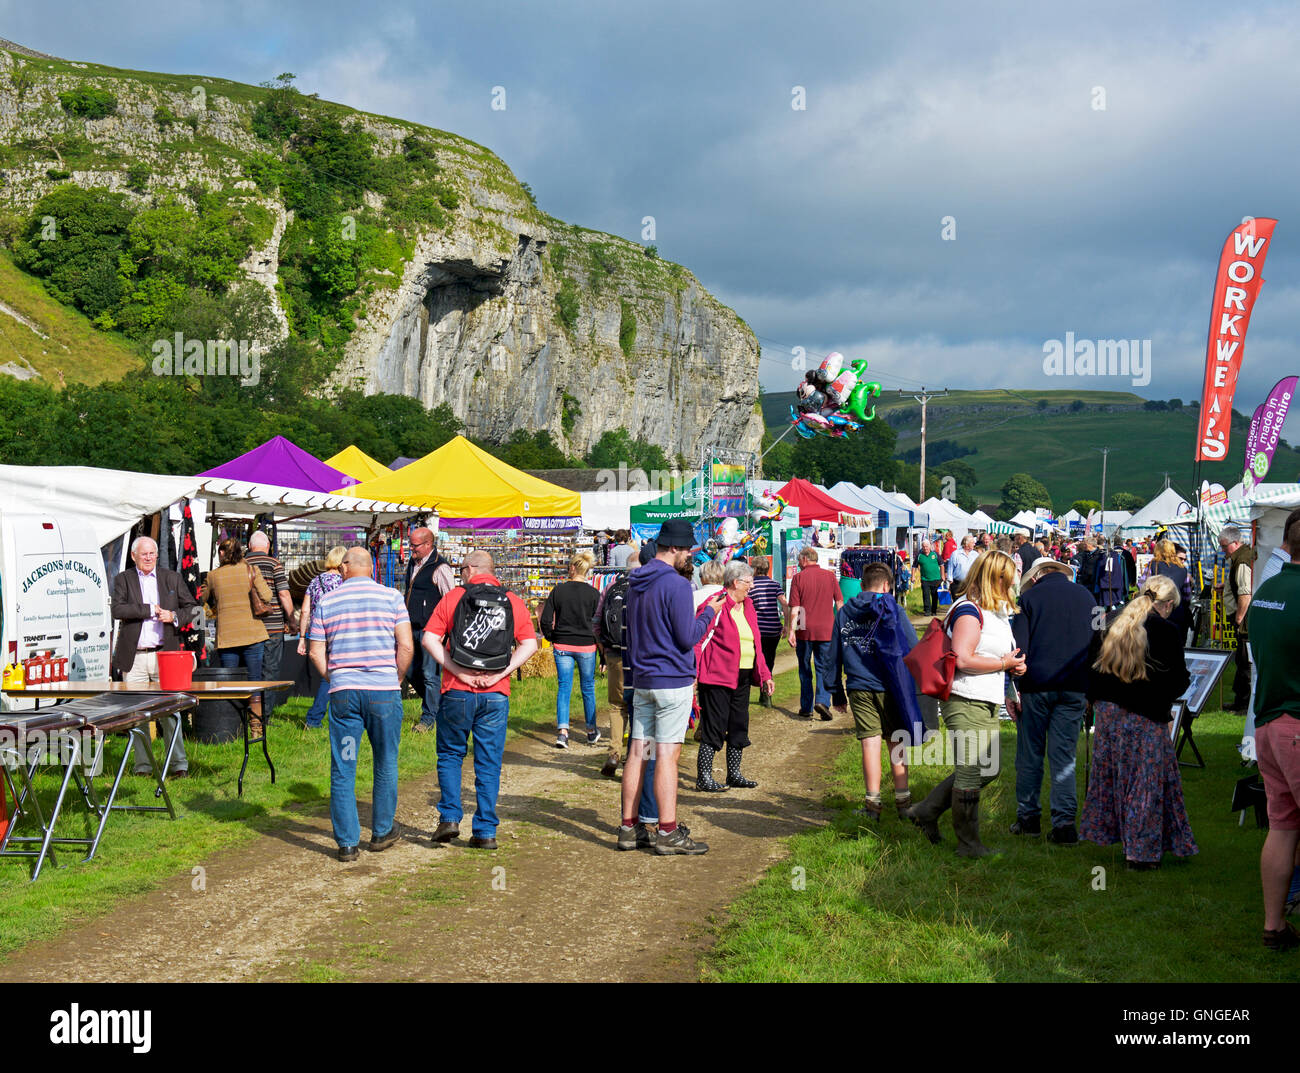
(832, 400)
(730, 541)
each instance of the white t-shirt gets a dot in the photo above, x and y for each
(995, 640)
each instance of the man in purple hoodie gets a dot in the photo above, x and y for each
(662, 632)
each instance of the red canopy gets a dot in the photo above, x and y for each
(815, 505)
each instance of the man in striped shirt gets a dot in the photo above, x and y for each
(361, 640)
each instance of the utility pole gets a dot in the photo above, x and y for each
(923, 398)
(1105, 451)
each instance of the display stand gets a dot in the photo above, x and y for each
(529, 564)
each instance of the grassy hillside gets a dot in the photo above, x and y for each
(60, 344)
(1037, 432)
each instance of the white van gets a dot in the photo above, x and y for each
(54, 595)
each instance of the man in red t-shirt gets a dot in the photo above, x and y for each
(814, 599)
(473, 702)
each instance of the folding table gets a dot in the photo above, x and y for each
(27, 742)
(234, 690)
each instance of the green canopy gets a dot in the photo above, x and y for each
(684, 502)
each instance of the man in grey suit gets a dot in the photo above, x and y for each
(149, 603)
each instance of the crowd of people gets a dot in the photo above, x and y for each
(687, 648)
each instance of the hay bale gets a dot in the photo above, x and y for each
(541, 664)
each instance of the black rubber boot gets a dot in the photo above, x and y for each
(704, 781)
(734, 777)
(966, 822)
(926, 814)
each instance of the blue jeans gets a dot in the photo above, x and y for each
(484, 715)
(586, 664)
(1050, 723)
(249, 655)
(377, 712)
(320, 706)
(647, 807)
(813, 654)
(425, 677)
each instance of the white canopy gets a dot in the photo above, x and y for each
(945, 515)
(980, 519)
(612, 510)
(1109, 520)
(109, 501)
(1027, 518)
(1168, 504)
(920, 518)
(244, 499)
(872, 501)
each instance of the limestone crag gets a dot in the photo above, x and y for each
(475, 320)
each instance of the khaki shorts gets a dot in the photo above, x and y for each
(875, 714)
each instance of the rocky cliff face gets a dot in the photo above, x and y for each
(475, 320)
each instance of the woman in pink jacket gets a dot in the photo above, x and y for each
(730, 659)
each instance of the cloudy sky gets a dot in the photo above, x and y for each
(1092, 160)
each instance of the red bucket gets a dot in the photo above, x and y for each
(176, 671)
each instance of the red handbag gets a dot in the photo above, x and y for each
(932, 662)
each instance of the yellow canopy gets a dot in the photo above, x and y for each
(356, 463)
(461, 481)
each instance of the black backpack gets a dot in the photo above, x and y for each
(611, 625)
(482, 628)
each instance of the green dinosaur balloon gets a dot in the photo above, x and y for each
(856, 404)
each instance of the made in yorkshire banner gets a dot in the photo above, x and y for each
(1265, 430)
(1235, 289)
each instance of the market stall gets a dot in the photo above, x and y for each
(357, 464)
(528, 525)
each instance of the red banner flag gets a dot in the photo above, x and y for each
(1235, 289)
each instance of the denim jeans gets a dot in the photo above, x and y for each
(484, 715)
(586, 664)
(813, 654)
(377, 713)
(320, 706)
(425, 677)
(647, 807)
(249, 656)
(1050, 723)
(272, 651)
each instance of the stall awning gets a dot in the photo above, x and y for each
(817, 506)
(353, 461)
(244, 499)
(284, 464)
(467, 486)
(110, 501)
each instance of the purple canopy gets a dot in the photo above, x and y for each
(280, 461)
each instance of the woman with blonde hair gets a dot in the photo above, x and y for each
(980, 628)
(1135, 794)
(565, 620)
(327, 580)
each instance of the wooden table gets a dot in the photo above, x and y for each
(239, 692)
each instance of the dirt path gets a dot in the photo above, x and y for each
(555, 902)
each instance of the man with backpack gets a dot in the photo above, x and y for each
(611, 634)
(872, 634)
(470, 635)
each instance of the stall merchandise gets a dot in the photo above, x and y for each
(529, 564)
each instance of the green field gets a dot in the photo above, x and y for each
(882, 904)
(1012, 435)
(63, 347)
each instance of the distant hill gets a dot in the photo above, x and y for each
(1045, 434)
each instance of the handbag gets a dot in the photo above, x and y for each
(260, 607)
(932, 662)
